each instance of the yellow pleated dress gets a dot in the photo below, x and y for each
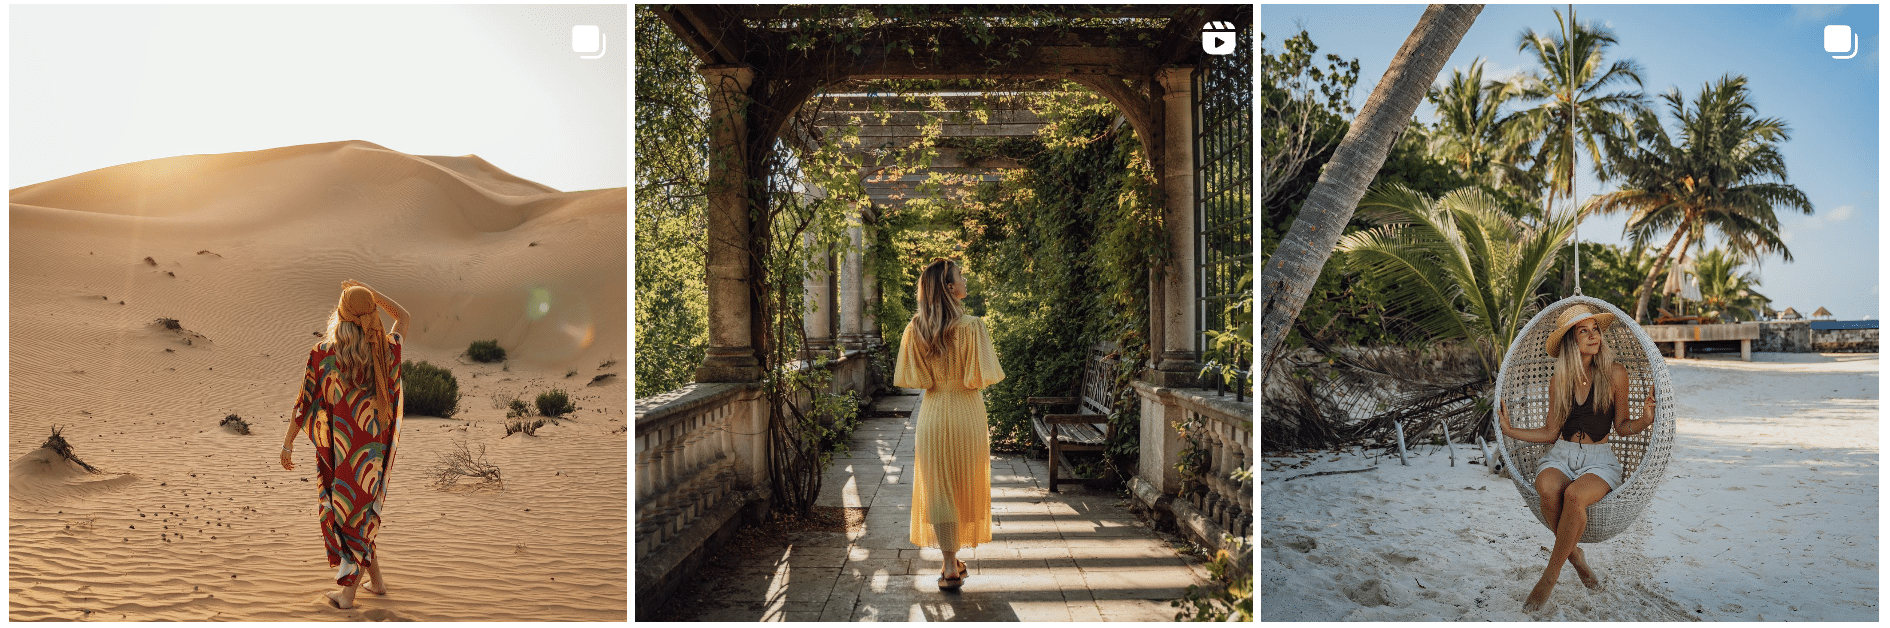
(951, 473)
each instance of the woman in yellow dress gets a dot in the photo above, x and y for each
(949, 356)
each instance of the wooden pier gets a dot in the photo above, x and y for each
(1680, 335)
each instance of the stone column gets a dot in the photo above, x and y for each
(818, 324)
(869, 292)
(1177, 360)
(850, 295)
(731, 352)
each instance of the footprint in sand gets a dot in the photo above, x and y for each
(382, 614)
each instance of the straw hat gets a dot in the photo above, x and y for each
(1568, 319)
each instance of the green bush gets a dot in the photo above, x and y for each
(431, 390)
(554, 403)
(486, 351)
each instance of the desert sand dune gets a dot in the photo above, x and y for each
(246, 252)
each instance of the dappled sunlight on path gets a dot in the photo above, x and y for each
(1075, 556)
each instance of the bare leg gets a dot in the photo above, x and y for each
(1581, 493)
(376, 584)
(1550, 484)
(947, 534)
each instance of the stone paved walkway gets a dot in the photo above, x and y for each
(1077, 555)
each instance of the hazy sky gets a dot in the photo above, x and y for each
(97, 86)
(1829, 104)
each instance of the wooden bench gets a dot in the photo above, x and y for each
(1088, 428)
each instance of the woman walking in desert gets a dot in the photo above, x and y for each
(949, 355)
(350, 405)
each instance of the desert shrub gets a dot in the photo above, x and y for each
(486, 351)
(460, 463)
(431, 390)
(554, 403)
(517, 408)
(530, 428)
(235, 423)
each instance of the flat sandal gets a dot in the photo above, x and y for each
(953, 584)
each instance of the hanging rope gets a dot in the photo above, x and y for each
(1568, 42)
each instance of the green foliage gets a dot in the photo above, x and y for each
(555, 403)
(1308, 104)
(430, 390)
(672, 305)
(1726, 294)
(1063, 249)
(1457, 267)
(1228, 596)
(485, 351)
(1727, 173)
(1610, 273)
(1571, 62)
(1233, 348)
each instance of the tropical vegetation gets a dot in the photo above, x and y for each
(1456, 238)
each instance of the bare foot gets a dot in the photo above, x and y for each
(341, 598)
(1581, 569)
(381, 589)
(1539, 595)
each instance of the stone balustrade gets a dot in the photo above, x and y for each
(702, 471)
(1227, 439)
(1210, 502)
(684, 459)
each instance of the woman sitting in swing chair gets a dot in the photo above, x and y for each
(1588, 395)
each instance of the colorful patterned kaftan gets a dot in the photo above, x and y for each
(353, 448)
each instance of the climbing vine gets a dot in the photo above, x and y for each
(1065, 246)
(672, 305)
(1095, 191)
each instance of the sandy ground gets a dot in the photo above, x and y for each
(190, 521)
(1769, 513)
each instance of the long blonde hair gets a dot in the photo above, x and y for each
(352, 353)
(1562, 386)
(938, 307)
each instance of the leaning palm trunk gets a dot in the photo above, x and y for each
(1294, 267)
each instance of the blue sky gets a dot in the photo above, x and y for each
(1830, 106)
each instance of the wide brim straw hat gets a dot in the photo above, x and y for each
(1571, 317)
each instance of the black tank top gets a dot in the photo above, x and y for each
(1583, 418)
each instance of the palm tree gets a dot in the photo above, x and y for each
(1295, 264)
(1726, 173)
(1458, 267)
(1470, 132)
(1574, 115)
(1725, 292)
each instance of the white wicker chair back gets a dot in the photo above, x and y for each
(1523, 382)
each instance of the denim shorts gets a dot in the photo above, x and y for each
(1578, 459)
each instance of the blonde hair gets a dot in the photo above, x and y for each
(938, 308)
(352, 353)
(1562, 386)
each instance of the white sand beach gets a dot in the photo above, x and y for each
(247, 251)
(1769, 512)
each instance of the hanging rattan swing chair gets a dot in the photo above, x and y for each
(1523, 383)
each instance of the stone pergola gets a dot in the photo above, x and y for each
(702, 457)
(836, 321)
